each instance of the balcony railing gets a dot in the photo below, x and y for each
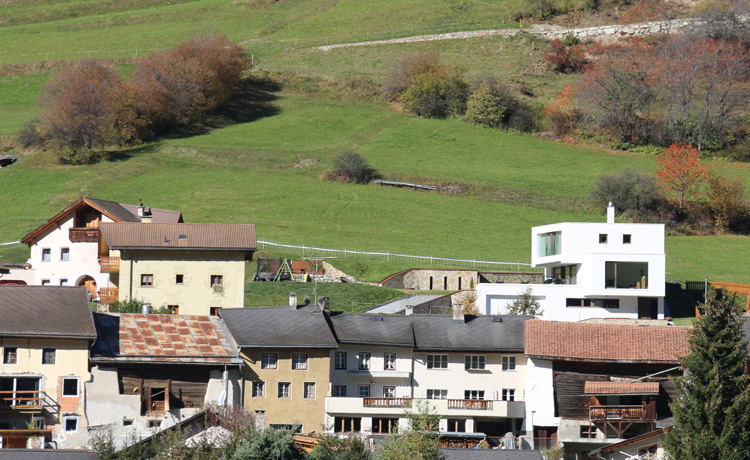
(610, 413)
(109, 294)
(24, 400)
(109, 264)
(478, 404)
(83, 235)
(387, 402)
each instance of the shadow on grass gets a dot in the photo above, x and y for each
(127, 153)
(253, 101)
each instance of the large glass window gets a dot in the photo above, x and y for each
(568, 274)
(626, 275)
(549, 244)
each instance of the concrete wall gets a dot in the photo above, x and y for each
(195, 296)
(71, 360)
(296, 409)
(540, 396)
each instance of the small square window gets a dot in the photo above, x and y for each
(259, 389)
(389, 392)
(217, 280)
(309, 390)
(154, 423)
(46, 255)
(602, 238)
(626, 238)
(363, 391)
(65, 254)
(340, 360)
(509, 394)
(299, 361)
(63, 282)
(46, 283)
(213, 311)
(147, 280)
(10, 355)
(174, 309)
(71, 424)
(49, 355)
(70, 386)
(509, 363)
(339, 391)
(269, 360)
(179, 279)
(285, 390)
(127, 422)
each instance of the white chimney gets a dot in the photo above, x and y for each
(409, 310)
(146, 309)
(140, 208)
(458, 314)
(611, 213)
(293, 300)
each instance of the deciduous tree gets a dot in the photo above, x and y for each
(726, 201)
(418, 441)
(525, 304)
(712, 410)
(680, 171)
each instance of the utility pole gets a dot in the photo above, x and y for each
(315, 276)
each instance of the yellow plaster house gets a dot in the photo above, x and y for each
(191, 268)
(45, 335)
(287, 363)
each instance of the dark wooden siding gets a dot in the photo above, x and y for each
(188, 386)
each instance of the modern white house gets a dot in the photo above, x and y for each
(591, 270)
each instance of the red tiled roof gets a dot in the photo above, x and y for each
(605, 342)
(621, 388)
(175, 339)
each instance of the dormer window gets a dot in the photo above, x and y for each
(549, 244)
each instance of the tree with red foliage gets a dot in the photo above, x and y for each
(565, 58)
(81, 110)
(563, 115)
(680, 171)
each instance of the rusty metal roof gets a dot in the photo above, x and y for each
(240, 237)
(165, 339)
(621, 388)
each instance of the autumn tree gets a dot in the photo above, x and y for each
(712, 407)
(680, 171)
(726, 201)
(563, 114)
(80, 110)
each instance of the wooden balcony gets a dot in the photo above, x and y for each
(22, 401)
(387, 402)
(109, 294)
(476, 404)
(620, 413)
(83, 235)
(109, 264)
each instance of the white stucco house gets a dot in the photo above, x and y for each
(591, 270)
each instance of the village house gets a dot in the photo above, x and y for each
(192, 269)
(64, 251)
(150, 372)
(649, 446)
(595, 383)
(591, 270)
(45, 335)
(286, 351)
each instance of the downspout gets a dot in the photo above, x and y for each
(225, 382)
(130, 291)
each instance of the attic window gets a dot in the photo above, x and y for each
(182, 237)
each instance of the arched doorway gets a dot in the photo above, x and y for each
(90, 284)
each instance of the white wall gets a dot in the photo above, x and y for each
(540, 397)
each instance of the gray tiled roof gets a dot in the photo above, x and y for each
(279, 327)
(491, 333)
(490, 454)
(45, 311)
(44, 454)
(239, 237)
(373, 329)
(400, 304)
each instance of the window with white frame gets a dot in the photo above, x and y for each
(363, 390)
(389, 362)
(269, 360)
(437, 394)
(285, 390)
(70, 424)
(309, 390)
(389, 392)
(474, 394)
(474, 362)
(339, 391)
(437, 361)
(364, 361)
(70, 386)
(299, 361)
(340, 360)
(49, 355)
(509, 363)
(259, 389)
(508, 394)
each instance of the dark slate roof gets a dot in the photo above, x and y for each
(490, 454)
(47, 454)
(164, 339)
(487, 333)
(373, 329)
(45, 311)
(279, 327)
